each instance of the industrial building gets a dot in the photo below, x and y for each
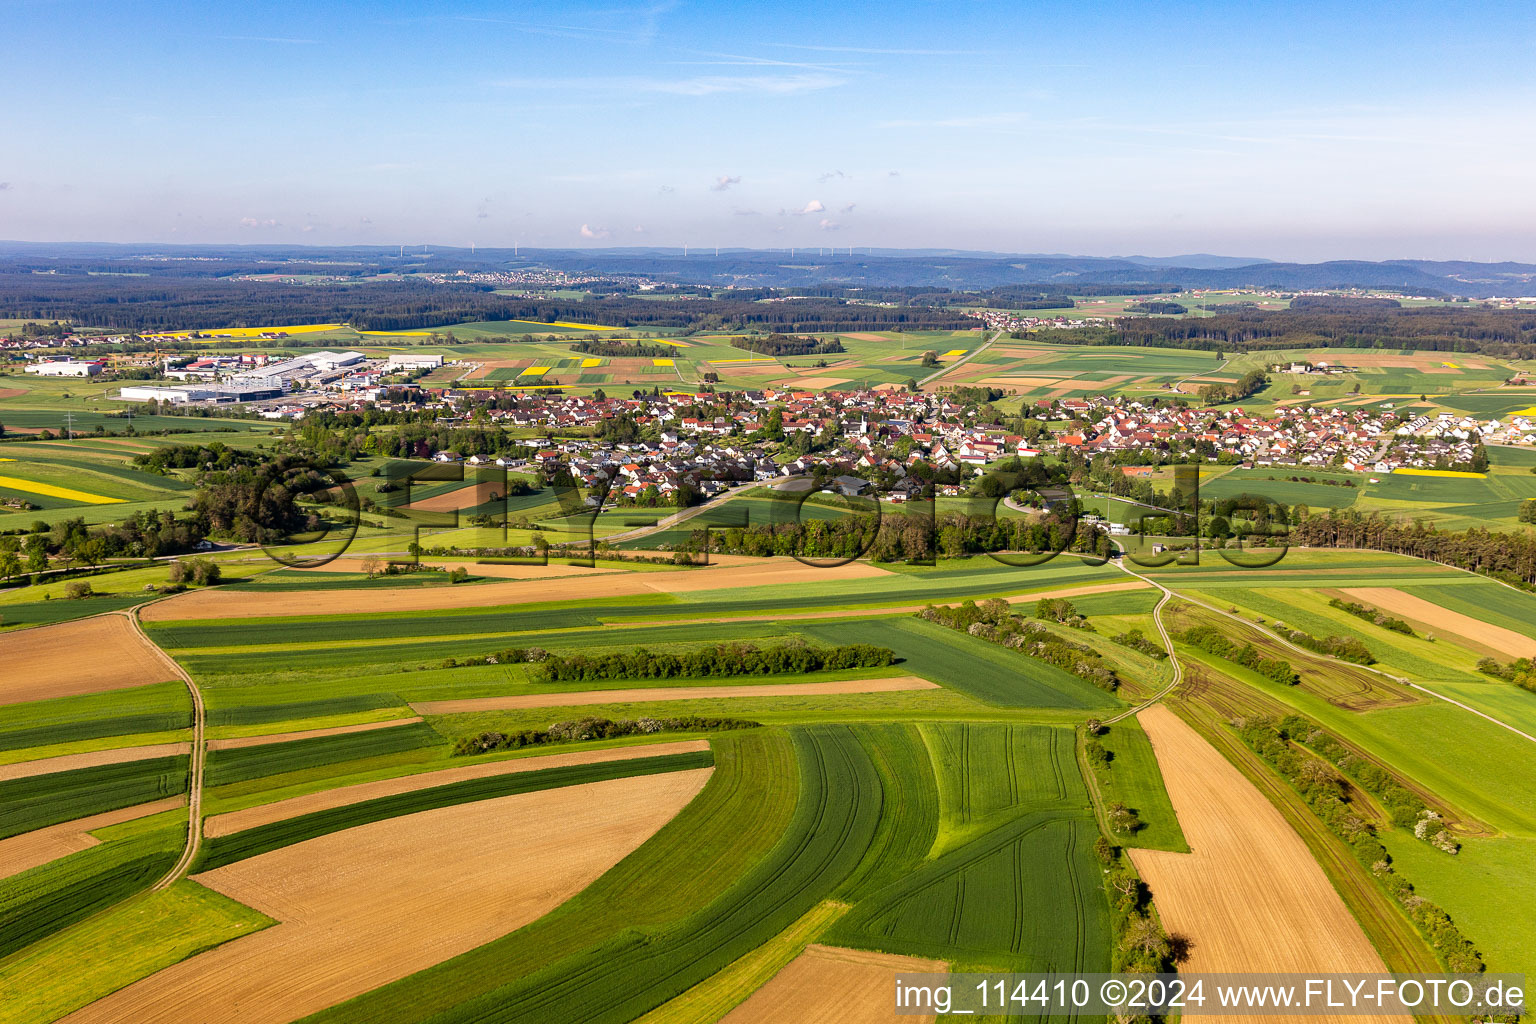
(64, 368)
(413, 362)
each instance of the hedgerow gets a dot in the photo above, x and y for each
(580, 729)
(731, 659)
(1211, 640)
(994, 620)
(1321, 787)
(1373, 616)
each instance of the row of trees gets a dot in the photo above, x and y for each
(732, 659)
(908, 536)
(1211, 640)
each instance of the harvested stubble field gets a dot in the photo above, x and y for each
(40, 846)
(578, 698)
(83, 656)
(824, 983)
(282, 810)
(232, 604)
(1292, 921)
(361, 908)
(1430, 617)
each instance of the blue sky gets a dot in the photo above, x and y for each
(1289, 130)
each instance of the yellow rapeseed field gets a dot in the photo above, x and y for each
(1404, 471)
(247, 332)
(534, 371)
(955, 352)
(662, 362)
(52, 491)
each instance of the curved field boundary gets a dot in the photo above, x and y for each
(218, 852)
(306, 734)
(578, 698)
(364, 908)
(90, 655)
(71, 762)
(849, 986)
(834, 822)
(40, 846)
(1250, 895)
(312, 803)
(699, 855)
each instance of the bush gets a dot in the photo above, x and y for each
(77, 589)
(581, 729)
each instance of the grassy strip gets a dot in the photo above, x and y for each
(243, 764)
(43, 800)
(1133, 778)
(731, 825)
(224, 850)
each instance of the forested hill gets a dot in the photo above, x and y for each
(800, 268)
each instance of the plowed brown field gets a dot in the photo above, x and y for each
(1436, 619)
(577, 698)
(281, 810)
(828, 985)
(85, 656)
(364, 907)
(235, 604)
(1249, 895)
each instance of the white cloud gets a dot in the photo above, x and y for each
(828, 225)
(829, 175)
(254, 222)
(590, 232)
(847, 209)
(814, 206)
(724, 182)
(738, 211)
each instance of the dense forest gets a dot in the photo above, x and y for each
(156, 303)
(783, 345)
